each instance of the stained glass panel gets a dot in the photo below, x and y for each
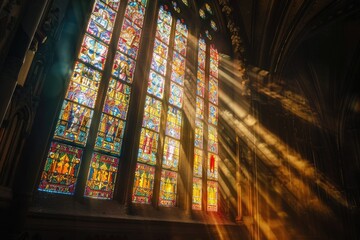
(212, 166)
(199, 133)
(175, 6)
(185, 2)
(135, 12)
(123, 67)
(148, 146)
(93, 52)
(165, 16)
(197, 194)
(129, 38)
(156, 85)
(173, 123)
(212, 196)
(202, 44)
(161, 49)
(143, 184)
(198, 162)
(112, 3)
(171, 154)
(213, 25)
(181, 28)
(158, 64)
(180, 44)
(208, 8)
(110, 134)
(117, 99)
(168, 188)
(81, 94)
(101, 178)
(201, 59)
(199, 108)
(213, 114)
(152, 114)
(102, 22)
(178, 69)
(200, 83)
(214, 68)
(176, 95)
(61, 169)
(213, 90)
(163, 31)
(74, 123)
(212, 139)
(202, 14)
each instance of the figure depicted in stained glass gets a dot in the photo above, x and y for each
(213, 114)
(156, 85)
(196, 194)
(152, 114)
(148, 146)
(212, 169)
(212, 191)
(123, 67)
(176, 95)
(143, 184)
(178, 69)
(74, 123)
(168, 188)
(101, 178)
(129, 38)
(117, 99)
(199, 108)
(201, 59)
(163, 31)
(173, 123)
(180, 44)
(199, 133)
(213, 90)
(200, 83)
(61, 169)
(212, 139)
(198, 162)
(158, 64)
(171, 154)
(93, 52)
(136, 11)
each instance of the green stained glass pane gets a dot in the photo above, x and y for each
(93, 52)
(100, 182)
(171, 154)
(152, 114)
(176, 95)
(213, 114)
(74, 122)
(196, 194)
(61, 169)
(110, 134)
(143, 184)
(199, 108)
(173, 122)
(198, 162)
(168, 188)
(212, 196)
(148, 146)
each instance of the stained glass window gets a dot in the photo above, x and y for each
(199, 133)
(213, 114)
(198, 162)
(213, 90)
(212, 166)
(173, 122)
(61, 169)
(101, 178)
(213, 25)
(148, 146)
(171, 154)
(78, 108)
(202, 13)
(199, 108)
(185, 2)
(208, 8)
(212, 139)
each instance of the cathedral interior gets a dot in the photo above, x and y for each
(182, 119)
